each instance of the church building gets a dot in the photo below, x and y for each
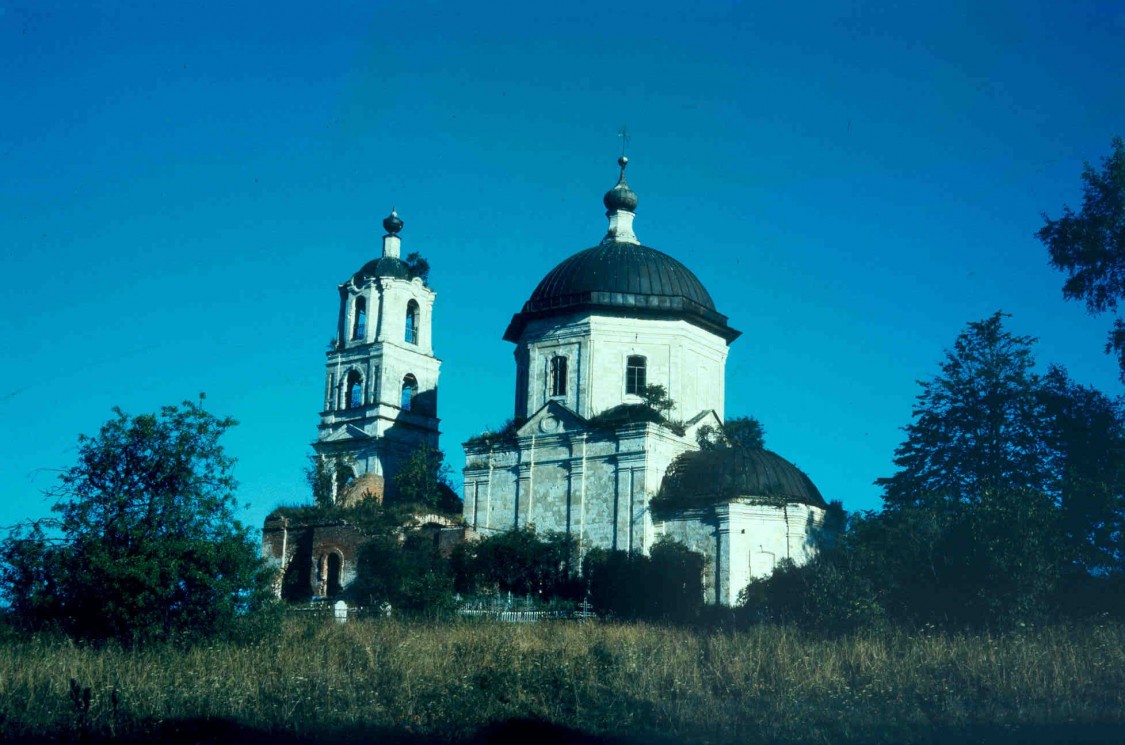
(589, 453)
(620, 368)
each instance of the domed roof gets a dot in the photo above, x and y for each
(728, 473)
(384, 266)
(624, 277)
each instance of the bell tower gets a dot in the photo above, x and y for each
(380, 400)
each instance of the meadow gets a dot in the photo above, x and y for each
(393, 681)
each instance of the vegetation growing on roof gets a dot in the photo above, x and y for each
(502, 436)
(654, 409)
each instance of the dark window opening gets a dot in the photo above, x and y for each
(635, 375)
(359, 327)
(333, 585)
(355, 390)
(558, 376)
(409, 391)
(412, 322)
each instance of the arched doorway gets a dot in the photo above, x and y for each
(333, 569)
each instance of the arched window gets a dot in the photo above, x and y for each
(409, 391)
(412, 322)
(355, 390)
(635, 375)
(359, 323)
(558, 376)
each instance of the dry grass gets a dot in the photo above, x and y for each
(448, 680)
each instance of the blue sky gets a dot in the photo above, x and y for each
(183, 187)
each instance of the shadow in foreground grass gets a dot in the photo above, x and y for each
(207, 731)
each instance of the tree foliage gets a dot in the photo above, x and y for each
(740, 431)
(418, 266)
(978, 426)
(523, 562)
(656, 398)
(667, 585)
(404, 569)
(1008, 506)
(145, 543)
(423, 480)
(1090, 245)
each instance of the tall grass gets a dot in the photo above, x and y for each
(450, 679)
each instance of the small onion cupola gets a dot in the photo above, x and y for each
(389, 264)
(621, 206)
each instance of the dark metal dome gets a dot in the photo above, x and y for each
(621, 197)
(386, 266)
(392, 223)
(623, 277)
(729, 473)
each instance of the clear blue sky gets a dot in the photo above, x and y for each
(183, 186)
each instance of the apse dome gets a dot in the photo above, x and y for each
(737, 472)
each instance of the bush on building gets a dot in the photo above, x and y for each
(740, 431)
(500, 437)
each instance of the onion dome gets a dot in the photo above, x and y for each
(392, 223)
(709, 476)
(621, 197)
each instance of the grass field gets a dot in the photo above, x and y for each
(397, 681)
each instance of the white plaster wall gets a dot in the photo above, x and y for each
(687, 360)
(383, 359)
(742, 540)
(602, 497)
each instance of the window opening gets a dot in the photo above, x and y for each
(558, 376)
(409, 391)
(635, 375)
(359, 327)
(355, 390)
(412, 322)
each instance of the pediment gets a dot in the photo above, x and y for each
(551, 419)
(346, 433)
(702, 419)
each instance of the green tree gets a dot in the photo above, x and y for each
(1087, 433)
(145, 543)
(523, 562)
(404, 568)
(423, 480)
(667, 585)
(978, 427)
(1090, 245)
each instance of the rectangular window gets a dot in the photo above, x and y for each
(635, 375)
(558, 376)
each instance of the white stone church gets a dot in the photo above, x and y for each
(584, 455)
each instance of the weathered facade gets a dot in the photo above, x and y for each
(588, 454)
(381, 381)
(380, 405)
